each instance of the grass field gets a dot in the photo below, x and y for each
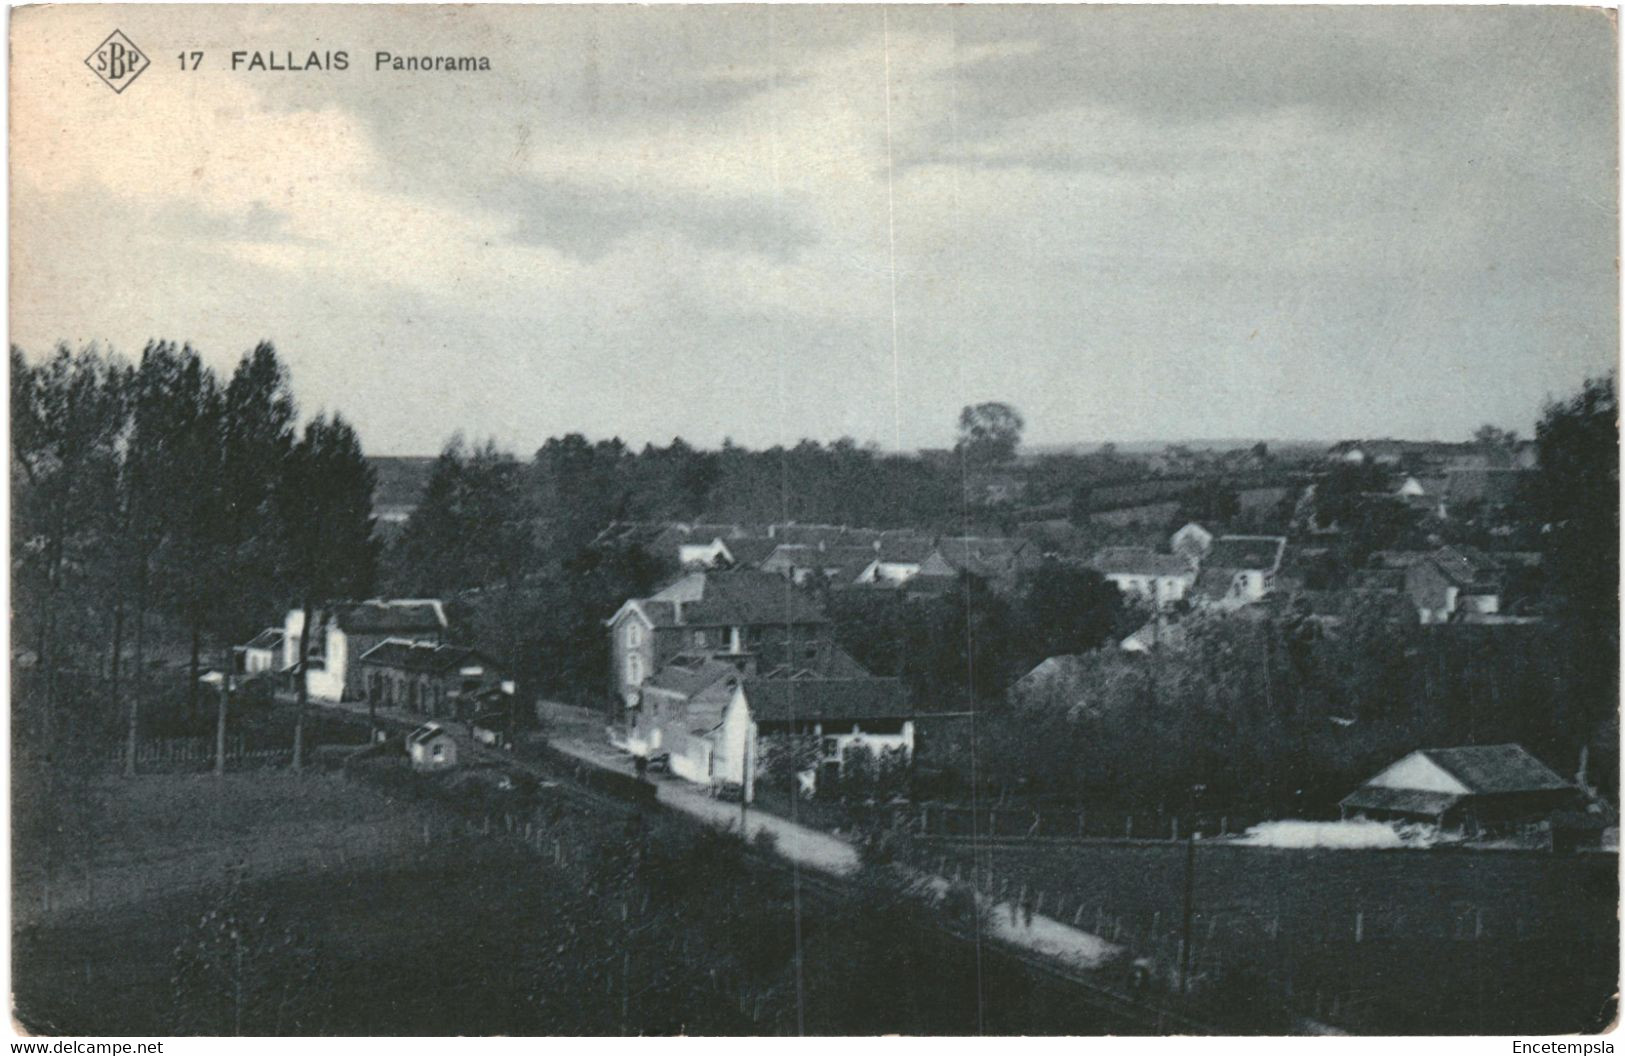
(347, 919)
(1448, 941)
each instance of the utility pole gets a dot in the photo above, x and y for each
(1190, 898)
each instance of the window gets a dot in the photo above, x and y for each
(634, 669)
(832, 748)
(634, 634)
(699, 639)
(439, 752)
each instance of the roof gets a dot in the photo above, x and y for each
(801, 555)
(687, 675)
(1139, 561)
(424, 657)
(739, 597)
(813, 699)
(749, 552)
(270, 638)
(379, 616)
(982, 554)
(1497, 768)
(1466, 565)
(1245, 552)
(427, 732)
(1400, 800)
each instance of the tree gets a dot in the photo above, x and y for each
(1491, 436)
(324, 510)
(1578, 496)
(256, 436)
(989, 433)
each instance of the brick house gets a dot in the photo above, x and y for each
(428, 678)
(344, 631)
(755, 619)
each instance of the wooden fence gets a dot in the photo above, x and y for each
(187, 754)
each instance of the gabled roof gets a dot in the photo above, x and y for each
(1400, 800)
(1497, 768)
(1139, 561)
(824, 699)
(1467, 566)
(738, 597)
(684, 676)
(423, 657)
(1249, 553)
(750, 551)
(270, 638)
(392, 616)
(425, 733)
(982, 554)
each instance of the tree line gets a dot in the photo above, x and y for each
(156, 506)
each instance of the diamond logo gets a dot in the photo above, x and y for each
(117, 61)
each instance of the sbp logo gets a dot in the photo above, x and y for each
(117, 61)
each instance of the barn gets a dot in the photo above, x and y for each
(1477, 789)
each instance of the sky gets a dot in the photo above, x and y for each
(769, 223)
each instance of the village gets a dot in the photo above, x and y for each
(1333, 663)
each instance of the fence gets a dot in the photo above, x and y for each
(1049, 823)
(184, 754)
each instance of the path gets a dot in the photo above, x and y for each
(580, 734)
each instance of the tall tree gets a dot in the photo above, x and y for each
(324, 511)
(989, 433)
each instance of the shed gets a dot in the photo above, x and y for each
(430, 747)
(1475, 789)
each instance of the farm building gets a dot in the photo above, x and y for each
(430, 747)
(1475, 789)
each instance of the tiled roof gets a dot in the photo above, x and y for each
(423, 657)
(1245, 552)
(815, 699)
(1139, 561)
(1497, 768)
(688, 675)
(749, 552)
(1214, 584)
(741, 597)
(1467, 566)
(391, 617)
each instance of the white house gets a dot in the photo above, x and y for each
(1158, 579)
(1239, 570)
(345, 631)
(725, 745)
(430, 747)
(899, 560)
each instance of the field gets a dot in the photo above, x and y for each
(271, 903)
(1374, 941)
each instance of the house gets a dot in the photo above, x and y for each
(801, 562)
(999, 560)
(745, 616)
(900, 559)
(427, 677)
(344, 631)
(1140, 573)
(1191, 542)
(263, 652)
(1238, 570)
(430, 747)
(1477, 789)
(1455, 580)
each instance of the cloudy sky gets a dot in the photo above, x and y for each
(768, 223)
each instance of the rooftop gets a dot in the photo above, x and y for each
(814, 699)
(1245, 552)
